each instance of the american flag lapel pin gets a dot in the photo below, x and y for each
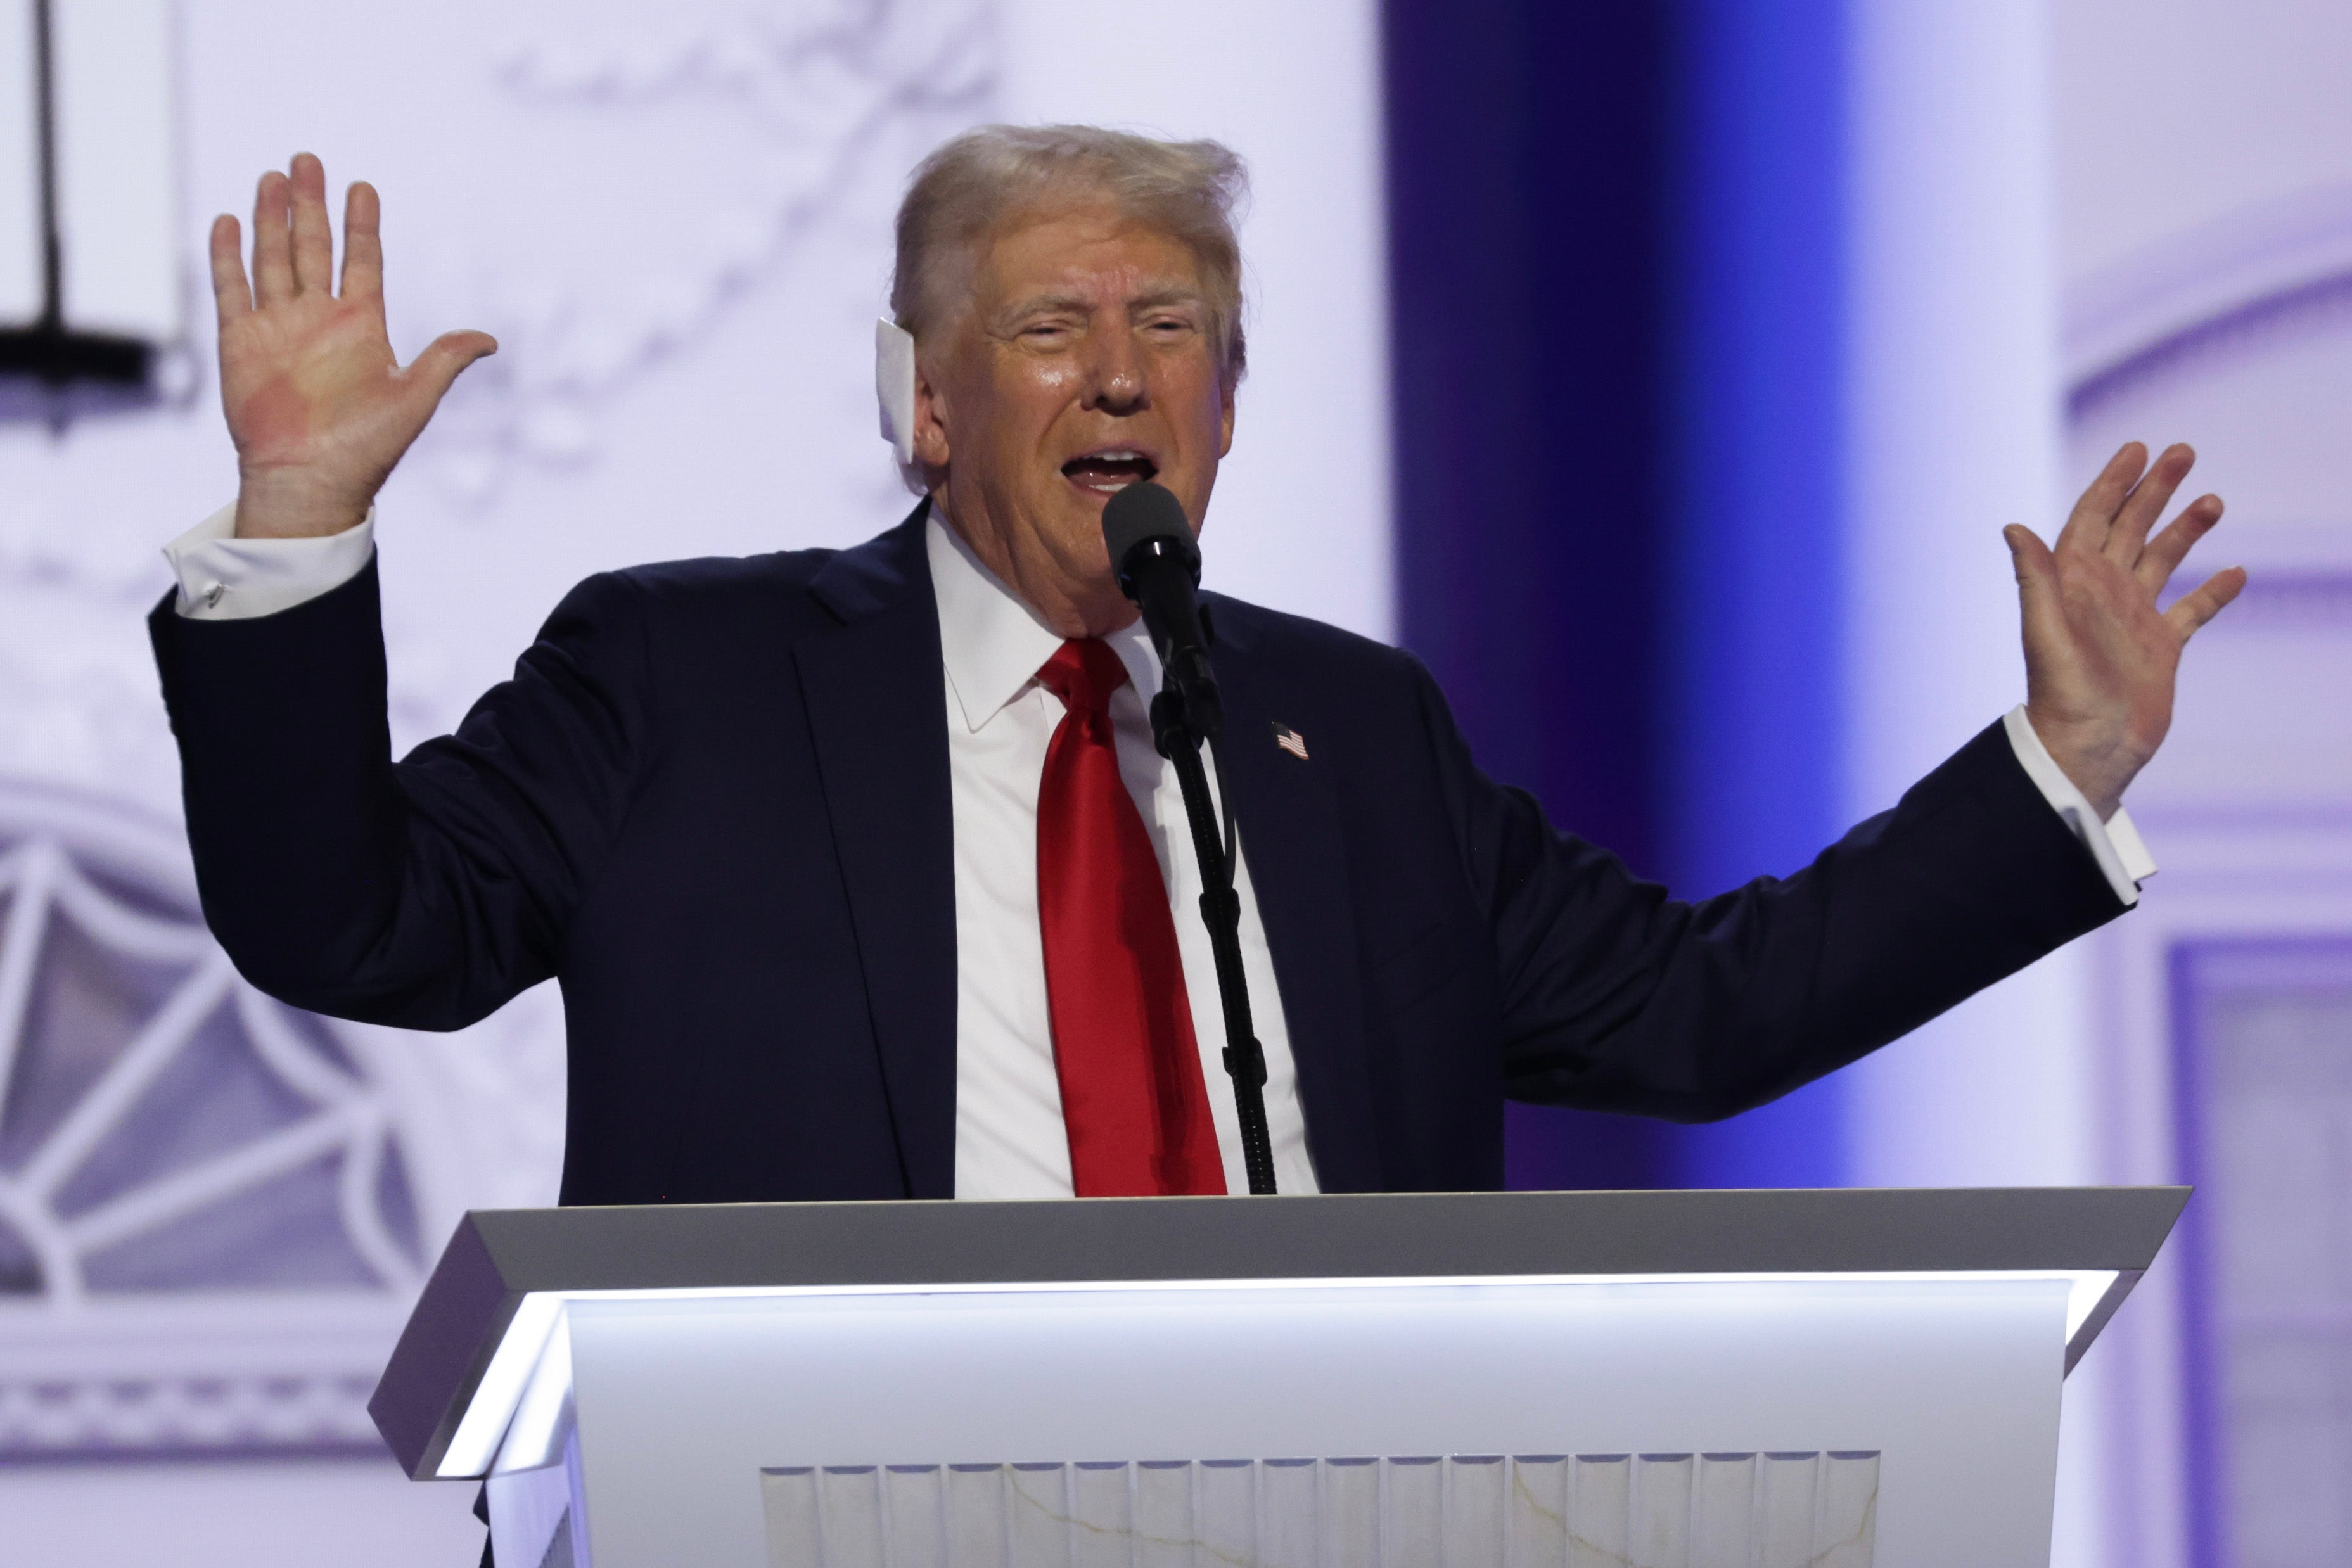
(1290, 740)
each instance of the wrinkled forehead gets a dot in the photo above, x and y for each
(1083, 261)
(1080, 249)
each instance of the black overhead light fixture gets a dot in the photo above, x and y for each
(90, 291)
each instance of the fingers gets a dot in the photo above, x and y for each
(362, 244)
(2169, 549)
(273, 261)
(314, 245)
(2191, 610)
(2147, 502)
(2094, 516)
(433, 370)
(232, 297)
(294, 245)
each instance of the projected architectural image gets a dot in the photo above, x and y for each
(206, 1225)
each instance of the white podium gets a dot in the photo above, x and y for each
(1660, 1380)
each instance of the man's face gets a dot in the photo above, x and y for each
(1084, 362)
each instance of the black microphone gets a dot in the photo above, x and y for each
(1158, 565)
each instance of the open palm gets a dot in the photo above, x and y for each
(318, 406)
(2100, 659)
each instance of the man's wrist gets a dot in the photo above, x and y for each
(2111, 839)
(293, 506)
(2092, 759)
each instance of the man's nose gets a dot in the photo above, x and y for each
(1115, 382)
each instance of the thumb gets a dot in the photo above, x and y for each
(444, 357)
(2036, 568)
(2037, 589)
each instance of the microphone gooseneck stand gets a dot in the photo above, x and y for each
(1179, 733)
(1157, 561)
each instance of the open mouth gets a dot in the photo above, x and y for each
(1110, 470)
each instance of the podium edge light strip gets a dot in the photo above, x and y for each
(492, 1406)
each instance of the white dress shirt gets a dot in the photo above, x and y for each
(1010, 1138)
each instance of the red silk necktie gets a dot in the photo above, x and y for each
(1132, 1094)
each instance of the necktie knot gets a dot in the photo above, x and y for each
(1084, 672)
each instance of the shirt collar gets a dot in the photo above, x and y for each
(991, 642)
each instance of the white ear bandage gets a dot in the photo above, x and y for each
(894, 386)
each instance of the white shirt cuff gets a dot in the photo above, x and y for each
(223, 578)
(2115, 843)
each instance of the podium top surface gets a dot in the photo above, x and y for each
(498, 1259)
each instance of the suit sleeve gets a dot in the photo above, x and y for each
(1617, 996)
(424, 893)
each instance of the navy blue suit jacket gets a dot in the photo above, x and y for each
(713, 802)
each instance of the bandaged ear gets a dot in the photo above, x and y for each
(894, 386)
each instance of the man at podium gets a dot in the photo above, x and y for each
(858, 868)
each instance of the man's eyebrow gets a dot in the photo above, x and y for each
(1037, 302)
(1173, 293)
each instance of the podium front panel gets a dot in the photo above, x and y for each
(696, 1419)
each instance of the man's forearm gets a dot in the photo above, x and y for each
(294, 816)
(1627, 1001)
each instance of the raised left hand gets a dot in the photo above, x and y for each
(2100, 658)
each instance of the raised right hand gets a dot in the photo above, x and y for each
(317, 405)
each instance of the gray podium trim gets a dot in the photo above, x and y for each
(497, 1257)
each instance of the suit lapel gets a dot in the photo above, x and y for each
(1289, 813)
(877, 707)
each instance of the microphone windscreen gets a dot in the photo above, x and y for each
(1140, 512)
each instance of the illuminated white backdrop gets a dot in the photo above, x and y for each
(2078, 222)
(675, 218)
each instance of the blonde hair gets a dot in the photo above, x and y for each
(971, 186)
